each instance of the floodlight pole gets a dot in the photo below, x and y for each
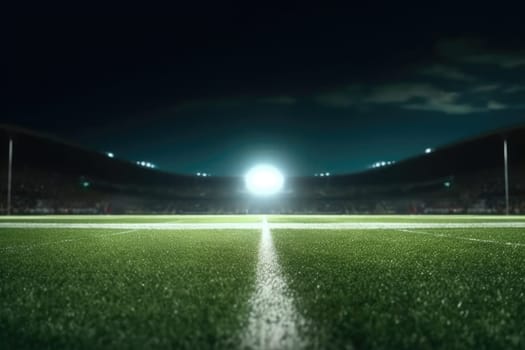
(9, 176)
(506, 161)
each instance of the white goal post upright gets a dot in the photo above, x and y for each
(9, 176)
(506, 162)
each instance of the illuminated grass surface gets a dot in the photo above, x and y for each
(503, 236)
(390, 289)
(193, 219)
(392, 218)
(377, 289)
(116, 289)
(257, 218)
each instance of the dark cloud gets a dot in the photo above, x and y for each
(513, 89)
(278, 100)
(477, 51)
(341, 98)
(484, 88)
(414, 96)
(200, 104)
(496, 106)
(447, 72)
(456, 87)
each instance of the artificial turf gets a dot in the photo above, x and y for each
(392, 218)
(438, 288)
(139, 289)
(138, 219)
(383, 289)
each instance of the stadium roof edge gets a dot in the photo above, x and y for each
(42, 135)
(478, 137)
(15, 129)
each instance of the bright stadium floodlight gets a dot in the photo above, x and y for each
(110, 154)
(264, 180)
(428, 150)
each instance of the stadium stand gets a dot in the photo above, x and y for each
(52, 176)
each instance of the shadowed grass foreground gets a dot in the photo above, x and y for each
(399, 290)
(82, 289)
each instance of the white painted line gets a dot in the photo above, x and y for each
(133, 226)
(256, 226)
(479, 240)
(393, 225)
(273, 320)
(29, 246)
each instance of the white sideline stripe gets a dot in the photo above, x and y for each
(133, 226)
(441, 235)
(29, 246)
(393, 225)
(273, 320)
(257, 226)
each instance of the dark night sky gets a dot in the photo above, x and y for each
(217, 88)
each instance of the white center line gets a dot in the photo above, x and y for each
(273, 320)
(491, 241)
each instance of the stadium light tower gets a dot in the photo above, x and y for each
(264, 180)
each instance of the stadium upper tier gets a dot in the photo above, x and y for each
(46, 168)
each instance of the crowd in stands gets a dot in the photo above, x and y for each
(37, 192)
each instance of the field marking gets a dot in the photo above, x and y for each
(133, 226)
(257, 217)
(273, 320)
(479, 240)
(256, 226)
(29, 246)
(393, 225)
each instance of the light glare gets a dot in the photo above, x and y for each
(264, 180)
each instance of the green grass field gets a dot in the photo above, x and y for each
(193, 288)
